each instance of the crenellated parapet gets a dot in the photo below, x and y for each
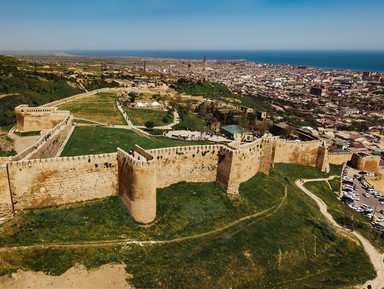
(49, 143)
(38, 118)
(135, 175)
(137, 185)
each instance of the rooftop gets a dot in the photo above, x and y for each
(233, 129)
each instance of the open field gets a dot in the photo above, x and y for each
(290, 245)
(100, 107)
(139, 116)
(106, 140)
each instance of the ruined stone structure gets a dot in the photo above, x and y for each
(38, 118)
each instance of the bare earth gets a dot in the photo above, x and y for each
(377, 184)
(110, 276)
(21, 143)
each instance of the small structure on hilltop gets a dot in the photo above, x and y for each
(233, 132)
(38, 118)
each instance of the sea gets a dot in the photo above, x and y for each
(335, 60)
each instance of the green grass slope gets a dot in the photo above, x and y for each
(100, 107)
(290, 246)
(344, 215)
(106, 140)
(23, 86)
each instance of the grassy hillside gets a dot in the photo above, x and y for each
(289, 246)
(219, 91)
(19, 84)
(344, 215)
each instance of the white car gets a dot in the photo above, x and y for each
(380, 219)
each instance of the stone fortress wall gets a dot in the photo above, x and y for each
(48, 145)
(34, 178)
(38, 118)
(135, 176)
(141, 172)
(53, 181)
(365, 162)
(339, 158)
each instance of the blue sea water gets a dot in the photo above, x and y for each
(353, 60)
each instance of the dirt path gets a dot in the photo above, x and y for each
(110, 276)
(101, 243)
(375, 256)
(22, 142)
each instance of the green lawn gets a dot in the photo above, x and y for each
(294, 247)
(100, 107)
(139, 116)
(96, 140)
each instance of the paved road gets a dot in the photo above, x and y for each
(376, 257)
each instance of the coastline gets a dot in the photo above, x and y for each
(362, 60)
(352, 60)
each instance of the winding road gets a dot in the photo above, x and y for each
(376, 257)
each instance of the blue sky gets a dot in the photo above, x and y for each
(191, 24)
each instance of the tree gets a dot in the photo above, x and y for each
(149, 124)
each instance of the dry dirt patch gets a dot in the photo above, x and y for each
(378, 184)
(110, 276)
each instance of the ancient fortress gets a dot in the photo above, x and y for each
(36, 178)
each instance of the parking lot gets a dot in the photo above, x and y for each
(362, 197)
